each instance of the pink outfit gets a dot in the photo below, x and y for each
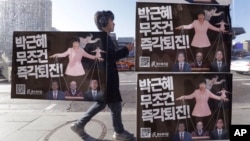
(74, 67)
(201, 108)
(200, 38)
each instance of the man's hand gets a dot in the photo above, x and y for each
(130, 47)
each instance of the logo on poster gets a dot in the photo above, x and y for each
(34, 92)
(159, 135)
(159, 64)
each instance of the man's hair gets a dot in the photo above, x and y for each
(53, 81)
(102, 18)
(179, 53)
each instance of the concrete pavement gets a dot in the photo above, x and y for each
(55, 126)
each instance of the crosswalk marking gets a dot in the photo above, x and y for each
(242, 79)
(248, 84)
(50, 106)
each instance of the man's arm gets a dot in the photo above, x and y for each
(121, 53)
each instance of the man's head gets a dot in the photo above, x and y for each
(199, 56)
(73, 85)
(181, 127)
(219, 55)
(104, 21)
(181, 57)
(219, 124)
(199, 125)
(93, 84)
(54, 85)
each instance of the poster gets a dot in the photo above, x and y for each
(59, 65)
(169, 104)
(175, 37)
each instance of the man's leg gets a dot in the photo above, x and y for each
(92, 111)
(78, 127)
(120, 133)
(116, 110)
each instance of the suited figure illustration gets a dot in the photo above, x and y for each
(199, 131)
(181, 66)
(219, 133)
(199, 62)
(55, 93)
(73, 92)
(93, 94)
(182, 135)
(219, 65)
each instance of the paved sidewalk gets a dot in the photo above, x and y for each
(55, 126)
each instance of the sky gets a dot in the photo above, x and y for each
(78, 15)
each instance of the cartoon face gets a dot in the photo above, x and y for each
(219, 56)
(93, 84)
(73, 85)
(76, 45)
(54, 85)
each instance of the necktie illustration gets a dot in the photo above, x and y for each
(94, 95)
(54, 95)
(181, 67)
(182, 137)
(219, 66)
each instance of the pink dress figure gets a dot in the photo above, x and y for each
(201, 95)
(98, 52)
(201, 108)
(74, 67)
(200, 39)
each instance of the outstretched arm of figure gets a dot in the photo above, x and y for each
(213, 96)
(217, 14)
(191, 96)
(59, 55)
(94, 41)
(85, 54)
(216, 29)
(190, 26)
(219, 82)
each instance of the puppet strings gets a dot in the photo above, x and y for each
(185, 50)
(56, 62)
(218, 110)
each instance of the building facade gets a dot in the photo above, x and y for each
(22, 15)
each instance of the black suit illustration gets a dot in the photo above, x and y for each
(91, 96)
(215, 67)
(186, 67)
(59, 95)
(215, 135)
(187, 137)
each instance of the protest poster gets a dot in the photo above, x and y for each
(183, 37)
(59, 65)
(169, 103)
